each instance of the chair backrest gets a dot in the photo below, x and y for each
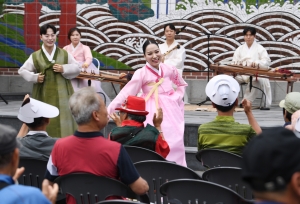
(230, 177)
(158, 172)
(89, 188)
(211, 158)
(96, 62)
(190, 191)
(138, 154)
(34, 172)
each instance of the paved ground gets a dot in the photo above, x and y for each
(268, 118)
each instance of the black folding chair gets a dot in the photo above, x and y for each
(184, 191)
(230, 177)
(141, 154)
(158, 172)
(89, 188)
(210, 158)
(34, 172)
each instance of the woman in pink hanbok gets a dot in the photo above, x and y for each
(155, 79)
(83, 55)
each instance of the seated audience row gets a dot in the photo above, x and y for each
(10, 192)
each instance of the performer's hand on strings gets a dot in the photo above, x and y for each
(122, 75)
(253, 64)
(41, 78)
(58, 68)
(247, 105)
(85, 65)
(116, 119)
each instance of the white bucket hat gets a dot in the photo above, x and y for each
(35, 109)
(222, 90)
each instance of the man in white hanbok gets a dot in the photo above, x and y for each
(175, 57)
(253, 54)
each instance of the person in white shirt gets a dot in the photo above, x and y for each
(50, 69)
(175, 57)
(253, 54)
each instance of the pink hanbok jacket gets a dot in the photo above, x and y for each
(170, 100)
(83, 54)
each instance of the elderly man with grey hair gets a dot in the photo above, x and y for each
(9, 173)
(88, 151)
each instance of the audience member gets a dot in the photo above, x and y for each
(290, 104)
(130, 128)
(88, 151)
(36, 116)
(271, 166)
(295, 122)
(10, 193)
(224, 133)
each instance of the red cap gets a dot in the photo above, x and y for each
(134, 105)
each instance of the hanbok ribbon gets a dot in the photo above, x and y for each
(155, 91)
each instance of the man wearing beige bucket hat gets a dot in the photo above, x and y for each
(290, 105)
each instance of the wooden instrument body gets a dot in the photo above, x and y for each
(102, 77)
(255, 72)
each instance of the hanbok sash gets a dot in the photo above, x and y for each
(155, 85)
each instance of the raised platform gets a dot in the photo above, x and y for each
(193, 119)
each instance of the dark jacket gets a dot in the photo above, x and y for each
(37, 146)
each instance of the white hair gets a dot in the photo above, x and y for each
(82, 104)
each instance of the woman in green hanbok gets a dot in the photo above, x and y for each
(51, 69)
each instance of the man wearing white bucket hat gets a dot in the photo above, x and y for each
(36, 115)
(224, 133)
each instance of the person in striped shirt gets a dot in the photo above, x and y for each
(224, 133)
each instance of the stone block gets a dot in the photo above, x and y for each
(4, 84)
(18, 84)
(12, 121)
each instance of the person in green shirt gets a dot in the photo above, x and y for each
(224, 133)
(51, 69)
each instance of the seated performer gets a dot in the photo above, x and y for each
(83, 55)
(224, 133)
(172, 55)
(130, 123)
(253, 54)
(37, 144)
(50, 68)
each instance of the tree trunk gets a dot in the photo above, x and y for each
(67, 20)
(31, 25)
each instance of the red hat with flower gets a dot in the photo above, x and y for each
(134, 105)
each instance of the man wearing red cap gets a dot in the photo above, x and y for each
(130, 128)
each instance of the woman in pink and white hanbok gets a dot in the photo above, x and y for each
(155, 79)
(83, 56)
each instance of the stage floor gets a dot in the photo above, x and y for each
(265, 118)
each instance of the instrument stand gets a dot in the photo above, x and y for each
(208, 67)
(251, 86)
(265, 99)
(3, 99)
